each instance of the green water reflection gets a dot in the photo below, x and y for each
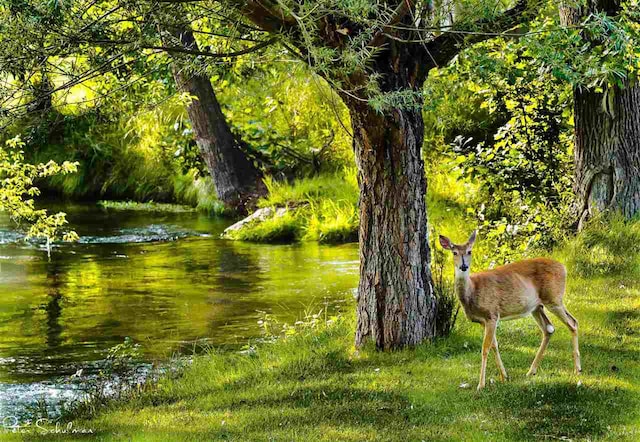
(165, 280)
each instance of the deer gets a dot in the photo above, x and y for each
(508, 292)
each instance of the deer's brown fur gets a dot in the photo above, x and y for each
(509, 292)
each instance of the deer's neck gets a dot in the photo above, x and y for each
(463, 286)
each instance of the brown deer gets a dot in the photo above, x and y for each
(510, 292)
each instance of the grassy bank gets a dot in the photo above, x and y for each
(322, 208)
(311, 384)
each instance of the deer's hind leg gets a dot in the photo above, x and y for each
(501, 369)
(547, 330)
(563, 314)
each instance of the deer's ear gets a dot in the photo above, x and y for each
(472, 238)
(445, 242)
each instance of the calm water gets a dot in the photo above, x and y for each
(165, 280)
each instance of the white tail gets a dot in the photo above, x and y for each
(509, 292)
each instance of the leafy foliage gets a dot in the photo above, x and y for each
(517, 146)
(17, 193)
(289, 118)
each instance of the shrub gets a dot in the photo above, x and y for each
(447, 306)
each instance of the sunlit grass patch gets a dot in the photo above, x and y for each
(279, 228)
(339, 186)
(607, 245)
(322, 208)
(331, 222)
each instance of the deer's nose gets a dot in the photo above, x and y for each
(464, 267)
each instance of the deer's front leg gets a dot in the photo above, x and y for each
(487, 343)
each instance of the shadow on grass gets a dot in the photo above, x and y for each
(624, 322)
(563, 410)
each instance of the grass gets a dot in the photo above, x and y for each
(147, 207)
(193, 192)
(283, 228)
(322, 208)
(198, 192)
(337, 187)
(332, 222)
(608, 245)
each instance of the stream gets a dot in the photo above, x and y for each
(165, 280)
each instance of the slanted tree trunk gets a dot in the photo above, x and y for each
(237, 180)
(396, 306)
(607, 139)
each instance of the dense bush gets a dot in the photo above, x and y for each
(512, 138)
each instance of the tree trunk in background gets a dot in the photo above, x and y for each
(396, 305)
(607, 152)
(607, 140)
(237, 180)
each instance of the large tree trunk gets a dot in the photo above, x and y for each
(607, 151)
(237, 180)
(607, 139)
(396, 306)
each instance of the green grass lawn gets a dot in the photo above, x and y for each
(315, 386)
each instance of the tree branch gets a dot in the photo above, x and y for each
(402, 9)
(176, 49)
(269, 17)
(442, 49)
(182, 50)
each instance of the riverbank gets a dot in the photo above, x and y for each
(311, 384)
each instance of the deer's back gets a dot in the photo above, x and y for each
(516, 289)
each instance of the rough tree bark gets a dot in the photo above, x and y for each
(237, 180)
(607, 152)
(607, 139)
(396, 306)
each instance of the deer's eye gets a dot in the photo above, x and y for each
(455, 253)
(469, 252)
